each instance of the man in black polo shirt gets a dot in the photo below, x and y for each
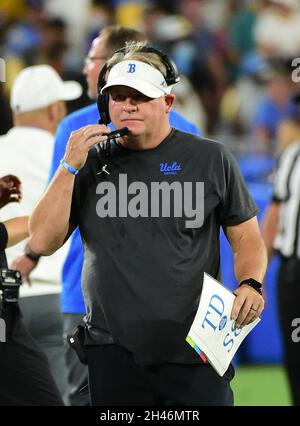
(149, 210)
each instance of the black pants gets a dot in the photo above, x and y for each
(25, 377)
(289, 309)
(77, 373)
(115, 379)
(42, 318)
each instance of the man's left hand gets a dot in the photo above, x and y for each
(247, 306)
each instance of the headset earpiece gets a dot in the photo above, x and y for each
(102, 99)
(172, 74)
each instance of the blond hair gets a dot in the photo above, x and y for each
(134, 51)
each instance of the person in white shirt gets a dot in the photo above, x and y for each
(277, 29)
(38, 102)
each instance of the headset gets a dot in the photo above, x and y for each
(172, 77)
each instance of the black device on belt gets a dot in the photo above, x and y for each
(10, 281)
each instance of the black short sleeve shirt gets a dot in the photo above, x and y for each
(150, 223)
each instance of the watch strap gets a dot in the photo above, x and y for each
(256, 285)
(34, 257)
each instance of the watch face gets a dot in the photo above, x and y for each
(253, 283)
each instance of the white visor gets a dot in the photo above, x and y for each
(139, 76)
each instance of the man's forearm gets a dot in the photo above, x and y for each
(17, 230)
(49, 222)
(270, 225)
(250, 260)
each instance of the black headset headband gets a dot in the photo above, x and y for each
(171, 77)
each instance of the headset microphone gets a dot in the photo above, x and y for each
(118, 133)
(104, 147)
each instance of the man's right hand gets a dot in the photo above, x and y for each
(81, 141)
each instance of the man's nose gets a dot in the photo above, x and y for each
(130, 101)
(129, 108)
(129, 105)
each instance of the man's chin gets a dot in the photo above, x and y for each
(135, 127)
(133, 133)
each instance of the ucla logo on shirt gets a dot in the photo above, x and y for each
(172, 169)
(131, 68)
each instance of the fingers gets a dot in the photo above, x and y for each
(14, 195)
(246, 316)
(91, 131)
(11, 181)
(28, 280)
(11, 184)
(95, 135)
(247, 306)
(9, 195)
(81, 141)
(12, 178)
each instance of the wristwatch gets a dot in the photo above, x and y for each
(34, 257)
(253, 283)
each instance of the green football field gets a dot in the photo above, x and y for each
(260, 385)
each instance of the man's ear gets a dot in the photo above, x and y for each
(56, 111)
(51, 111)
(169, 100)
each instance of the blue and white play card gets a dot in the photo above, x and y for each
(213, 333)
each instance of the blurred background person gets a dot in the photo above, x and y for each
(276, 106)
(38, 103)
(241, 20)
(22, 38)
(173, 33)
(281, 232)
(288, 133)
(277, 29)
(6, 119)
(24, 369)
(207, 72)
(241, 98)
